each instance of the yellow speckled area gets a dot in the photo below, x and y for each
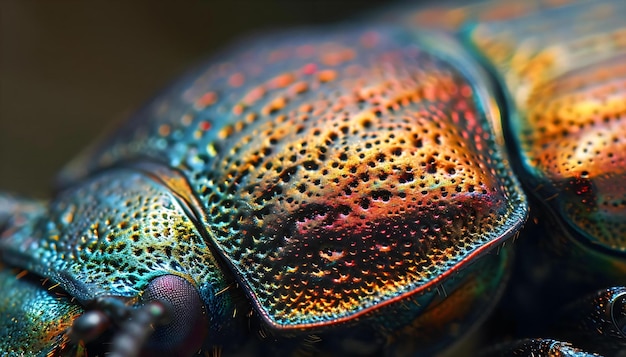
(33, 319)
(566, 77)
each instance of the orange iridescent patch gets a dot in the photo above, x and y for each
(570, 91)
(363, 190)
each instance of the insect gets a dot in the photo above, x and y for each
(343, 191)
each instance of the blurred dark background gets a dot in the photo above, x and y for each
(69, 69)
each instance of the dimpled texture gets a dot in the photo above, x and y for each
(336, 171)
(567, 78)
(33, 319)
(111, 236)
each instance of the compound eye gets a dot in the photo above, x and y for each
(187, 327)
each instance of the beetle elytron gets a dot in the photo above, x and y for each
(346, 191)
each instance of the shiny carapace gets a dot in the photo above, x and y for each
(343, 190)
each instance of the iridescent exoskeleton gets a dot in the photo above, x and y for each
(339, 190)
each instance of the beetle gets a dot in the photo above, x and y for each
(351, 194)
